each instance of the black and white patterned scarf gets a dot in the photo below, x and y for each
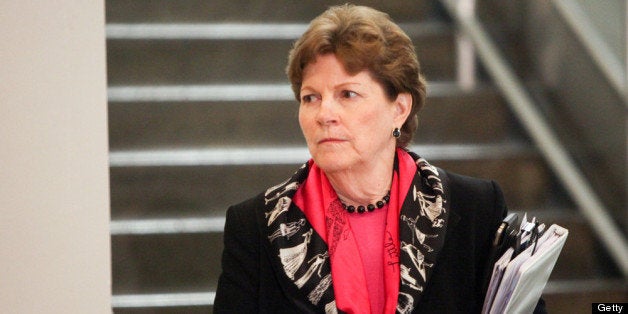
(303, 256)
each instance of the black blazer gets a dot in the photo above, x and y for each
(250, 284)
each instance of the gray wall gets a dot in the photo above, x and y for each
(54, 194)
(609, 19)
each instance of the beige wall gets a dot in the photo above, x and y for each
(54, 195)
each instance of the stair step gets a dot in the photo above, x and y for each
(264, 10)
(525, 179)
(165, 262)
(223, 53)
(165, 310)
(153, 117)
(569, 296)
(167, 226)
(187, 191)
(205, 31)
(577, 296)
(204, 182)
(163, 300)
(286, 155)
(240, 31)
(190, 262)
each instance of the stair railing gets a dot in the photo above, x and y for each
(542, 135)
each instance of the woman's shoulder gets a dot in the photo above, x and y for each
(478, 197)
(459, 183)
(253, 203)
(247, 212)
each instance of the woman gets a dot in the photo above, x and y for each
(365, 226)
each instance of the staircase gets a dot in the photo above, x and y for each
(201, 116)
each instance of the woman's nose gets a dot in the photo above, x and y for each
(327, 112)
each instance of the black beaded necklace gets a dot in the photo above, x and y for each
(370, 207)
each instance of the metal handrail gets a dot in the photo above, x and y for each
(550, 147)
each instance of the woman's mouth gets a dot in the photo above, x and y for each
(330, 140)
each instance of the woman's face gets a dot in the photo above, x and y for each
(347, 120)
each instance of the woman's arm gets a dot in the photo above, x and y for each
(500, 205)
(238, 284)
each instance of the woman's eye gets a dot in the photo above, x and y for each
(307, 98)
(349, 94)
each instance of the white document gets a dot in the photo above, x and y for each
(526, 275)
(496, 278)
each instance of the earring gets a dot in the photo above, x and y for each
(396, 133)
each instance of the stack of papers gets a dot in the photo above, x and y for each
(527, 256)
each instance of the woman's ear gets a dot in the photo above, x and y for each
(403, 106)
